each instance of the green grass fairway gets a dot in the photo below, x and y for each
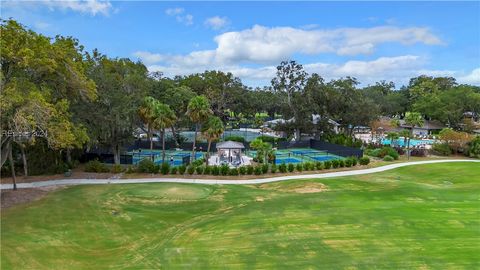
(416, 217)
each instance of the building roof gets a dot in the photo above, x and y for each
(230, 145)
(317, 117)
(428, 125)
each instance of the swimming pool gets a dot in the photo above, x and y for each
(413, 142)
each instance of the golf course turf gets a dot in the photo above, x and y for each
(415, 217)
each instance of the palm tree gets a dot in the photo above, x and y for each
(263, 149)
(198, 111)
(164, 117)
(412, 119)
(405, 134)
(392, 136)
(212, 130)
(147, 114)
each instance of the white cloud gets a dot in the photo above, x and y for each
(41, 25)
(149, 58)
(382, 68)
(180, 15)
(187, 19)
(92, 7)
(266, 45)
(381, 65)
(398, 69)
(472, 78)
(310, 26)
(174, 11)
(217, 22)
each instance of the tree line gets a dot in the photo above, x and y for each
(58, 99)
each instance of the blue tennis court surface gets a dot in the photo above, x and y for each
(323, 158)
(287, 160)
(303, 152)
(299, 155)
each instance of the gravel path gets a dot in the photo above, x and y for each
(223, 182)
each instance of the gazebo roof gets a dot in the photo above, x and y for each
(230, 145)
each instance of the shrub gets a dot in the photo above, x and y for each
(215, 170)
(364, 160)
(418, 152)
(282, 168)
(235, 139)
(273, 169)
(299, 167)
(96, 166)
(388, 158)
(388, 151)
(165, 168)
(354, 161)
(182, 169)
(368, 152)
(250, 169)
(146, 165)
(291, 167)
(200, 169)
(242, 170)
(348, 162)
(224, 169)
(173, 170)
(191, 169)
(131, 169)
(319, 165)
(399, 150)
(335, 163)
(327, 164)
(62, 167)
(381, 152)
(116, 168)
(264, 168)
(442, 149)
(207, 170)
(375, 152)
(306, 166)
(270, 139)
(473, 149)
(341, 163)
(258, 170)
(233, 171)
(198, 162)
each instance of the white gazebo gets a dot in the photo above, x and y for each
(229, 153)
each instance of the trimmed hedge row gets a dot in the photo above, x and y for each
(148, 166)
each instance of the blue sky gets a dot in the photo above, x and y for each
(371, 41)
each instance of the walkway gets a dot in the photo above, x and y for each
(224, 182)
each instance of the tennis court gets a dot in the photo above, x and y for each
(173, 157)
(299, 155)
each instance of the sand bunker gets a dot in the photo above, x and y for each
(317, 187)
(299, 187)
